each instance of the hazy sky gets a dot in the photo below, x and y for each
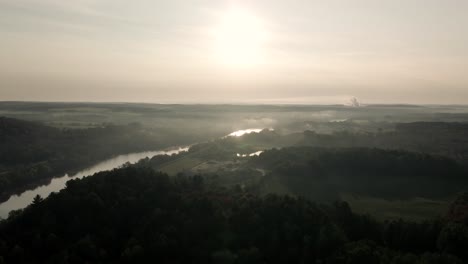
(381, 51)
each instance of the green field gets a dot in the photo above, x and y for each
(180, 165)
(416, 209)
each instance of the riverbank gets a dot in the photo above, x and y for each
(19, 201)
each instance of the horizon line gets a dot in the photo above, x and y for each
(232, 103)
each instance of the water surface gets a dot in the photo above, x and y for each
(257, 153)
(242, 132)
(24, 199)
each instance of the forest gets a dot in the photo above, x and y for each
(315, 185)
(391, 174)
(137, 215)
(32, 153)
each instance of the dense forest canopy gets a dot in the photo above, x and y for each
(134, 215)
(393, 174)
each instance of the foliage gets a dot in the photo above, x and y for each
(136, 215)
(323, 173)
(31, 153)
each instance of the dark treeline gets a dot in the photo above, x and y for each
(136, 215)
(441, 138)
(31, 152)
(393, 174)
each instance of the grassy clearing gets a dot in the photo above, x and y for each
(416, 209)
(180, 165)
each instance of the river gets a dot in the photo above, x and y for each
(24, 199)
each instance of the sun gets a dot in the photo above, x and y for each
(240, 39)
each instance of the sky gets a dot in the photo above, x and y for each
(256, 51)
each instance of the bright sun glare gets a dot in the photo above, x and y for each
(240, 38)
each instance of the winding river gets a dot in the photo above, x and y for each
(24, 199)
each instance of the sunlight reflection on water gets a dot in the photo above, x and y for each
(242, 132)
